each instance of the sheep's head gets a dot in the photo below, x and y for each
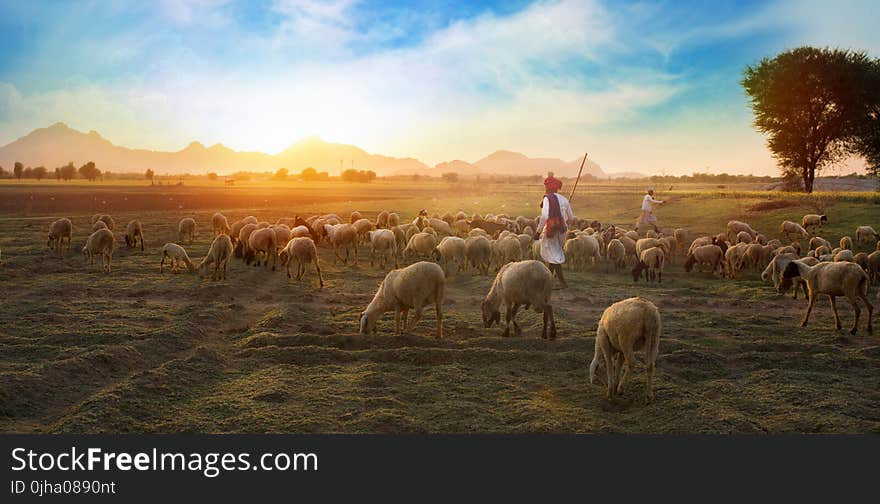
(128, 241)
(367, 324)
(284, 257)
(689, 263)
(823, 218)
(637, 270)
(490, 315)
(249, 257)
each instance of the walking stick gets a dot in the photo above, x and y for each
(570, 196)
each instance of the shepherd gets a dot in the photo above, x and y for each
(647, 215)
(555, 214)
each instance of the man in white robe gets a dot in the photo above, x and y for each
(557, 224)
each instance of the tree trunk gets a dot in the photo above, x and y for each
(809, 174)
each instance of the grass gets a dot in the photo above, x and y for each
(136, 351)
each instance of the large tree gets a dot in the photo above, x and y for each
(867, 141)
(810, 102)
(89, 171)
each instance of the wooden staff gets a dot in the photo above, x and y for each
(570, 196)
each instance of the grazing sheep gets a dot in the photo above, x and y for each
(106, 219)
(282, 234)
(669, 245)
(525, 241)
(524, 283)
(101, 242)
(866, 234)
(250, 219)
(651, 261)
(300, 232)
(743, 237)
(625, 327)
(699, 242)
(756, 256)
(812, 221)
(134, 232)
(263, 225)
(342, 236)
(846, 243)
(362, 227)
(818, 241)
(490, 227)
(384, 243)
(874, 266)
(506, 250)
(793, 231)
(410, 288)
(630, 246)
(734, 258)
(451, 249)
(177, 255)
(441, 227)
(632, 235)
(616, 254)
(393, 220)
(400, 238)
(460, 228)
(241, 247)
(735, 227)
(862, 260)
(478, 232)
(478, 250)
(680, 236)
(421, 245)
(301, 249)
(218, 254)
(99, 225)
(460, 216)
(844, 255)
(575, 253)
(58, 231)
(355, 216)
(760, 239)
(832, 279)
(705, 254)
(187, 229)
(220, 224)
(262, 241)
(382, 220)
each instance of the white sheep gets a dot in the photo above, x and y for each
(651, 261)
(735, 227)
(812, 221)
(793, 231)
(479, 253)
(241, 247)
(384, 243)
(451, 249)
(220, 224)
(711, 255)
(58, 231)
(342, 237)
(218, 254)
(101, 242)
(832, 279)
(846, 243)
(106, 219)
(393, 220)
(410, 288)
(506, 250)
(616, 254)
(362, 227)
(523, 283)
(626, 327)
(420, 244)
(176, 254)
(186, 228)
(866, 234)
(301, 249)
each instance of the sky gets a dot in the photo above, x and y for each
(649, 86)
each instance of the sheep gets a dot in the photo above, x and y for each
(106, 219)
(818, 241)
(774, 269)
(743, 237)
(460, 216)
(811, 221)
(680, 236)
(651, 261)
(866, 234)
(506, 250)
(846, 243)
(362, 227)
(393, 220)
(420, 244)
(447, 218)
(101, 242)
(301, 249)
(874, 266)
(409, 231)
(442, 227)
(262, 241)
(250, 219)
(536, 250)
(186, 228)
(134, 231)
(342, 236)
(792, 230)
(823, 250)
(300, 232)
(525, 241)
(451, 249)
(832, 279)
(355, 216)
(478, 250)
(460, 228)
(382, 220)
(735, 227)
(282, 234)
(491, 228)
(218, 254)
(760, 239)
(478, 232)
(241, 247)
(625, 327)
(575, 253)
(263, 225)
(669, 245)
(220, 224)
(632, 235)
(844, 255)
(177, 255)
(733, 259)
(652, 234)
(400, 238)
(593, 249)
(58, 231)
(384, 243)
(99, 225)
(524, 283)
(699, 242)
(862, 260)
(705, 254)
(756, 256)
(410, 288)
(630, 246)
(616, 253)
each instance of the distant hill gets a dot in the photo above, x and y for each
(58, 144)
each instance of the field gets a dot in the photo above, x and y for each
(136, 351)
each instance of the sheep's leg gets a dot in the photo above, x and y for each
(628, 362)
(507, 320)
(516, 330)
(836, 316)
(162, 264)
(812, 299)
(287, 268)
(404, 315)
(318, 269)
(438, 308)
(609, 366)
(397, 321)
(417, 316)
(649, 378)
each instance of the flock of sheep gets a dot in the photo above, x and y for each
(479, 242)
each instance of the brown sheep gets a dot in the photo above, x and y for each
(58, 231)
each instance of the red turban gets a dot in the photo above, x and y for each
(553, 184)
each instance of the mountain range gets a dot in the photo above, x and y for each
(59, 144)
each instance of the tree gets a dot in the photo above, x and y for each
(149, 174)
(68, 171)
(450, 177)
(89, 171)
(809, 102)
(57, 173)
(352, 175)
(18, 170)
(867, 142)
(40, 172)
(212, 176)
(28, 173)
(281, 174)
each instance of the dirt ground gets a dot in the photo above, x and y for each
(139, 351)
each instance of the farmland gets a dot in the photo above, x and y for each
(138, 351)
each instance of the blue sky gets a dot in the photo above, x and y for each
(643, 85)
